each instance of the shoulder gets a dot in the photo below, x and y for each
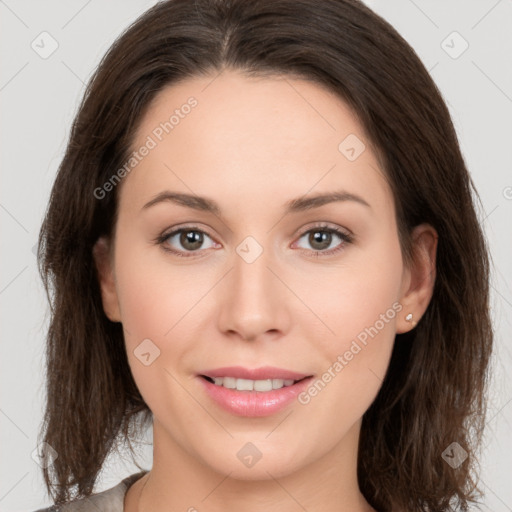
(110, 500)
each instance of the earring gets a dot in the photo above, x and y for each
(409, 319)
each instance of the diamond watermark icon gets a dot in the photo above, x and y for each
(249, 455)
(44, 45)
(146, 352)
(249, 249)
(44, 455)
(351, 147)
(454, 455)
(454, 45)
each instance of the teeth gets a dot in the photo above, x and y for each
(250, 385)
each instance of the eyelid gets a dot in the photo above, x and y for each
(327, 226)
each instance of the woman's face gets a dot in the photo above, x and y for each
(261, 281)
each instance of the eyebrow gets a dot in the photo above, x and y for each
(295, 205)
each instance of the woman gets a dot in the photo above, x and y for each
(262, 241)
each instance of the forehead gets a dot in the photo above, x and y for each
(232, 134)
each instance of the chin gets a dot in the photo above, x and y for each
(252, 461)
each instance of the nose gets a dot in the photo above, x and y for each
(253, 299)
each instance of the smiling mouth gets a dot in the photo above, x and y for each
(253, 398)
(251, 385)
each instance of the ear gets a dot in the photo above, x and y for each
(102, 255)
(418, 279)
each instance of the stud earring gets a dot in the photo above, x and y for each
(409, 319)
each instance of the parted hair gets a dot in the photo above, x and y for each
(434, 392)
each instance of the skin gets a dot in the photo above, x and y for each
(251, 145)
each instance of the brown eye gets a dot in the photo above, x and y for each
(184, 240)
(191, 240)
(321, 238)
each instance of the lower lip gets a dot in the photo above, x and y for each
(254, 403)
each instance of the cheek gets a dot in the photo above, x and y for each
(157, 306)
(161, 310)
(155, 295)
(358, 296)
(360, 309)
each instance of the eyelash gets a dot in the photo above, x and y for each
(345, 237)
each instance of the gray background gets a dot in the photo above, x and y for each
(39, 99)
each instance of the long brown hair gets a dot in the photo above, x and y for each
(434, 392)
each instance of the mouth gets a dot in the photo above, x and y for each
(253, 392)
(262, 385)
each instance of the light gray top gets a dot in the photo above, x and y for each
(110, 500)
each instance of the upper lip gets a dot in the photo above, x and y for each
(262, 373)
